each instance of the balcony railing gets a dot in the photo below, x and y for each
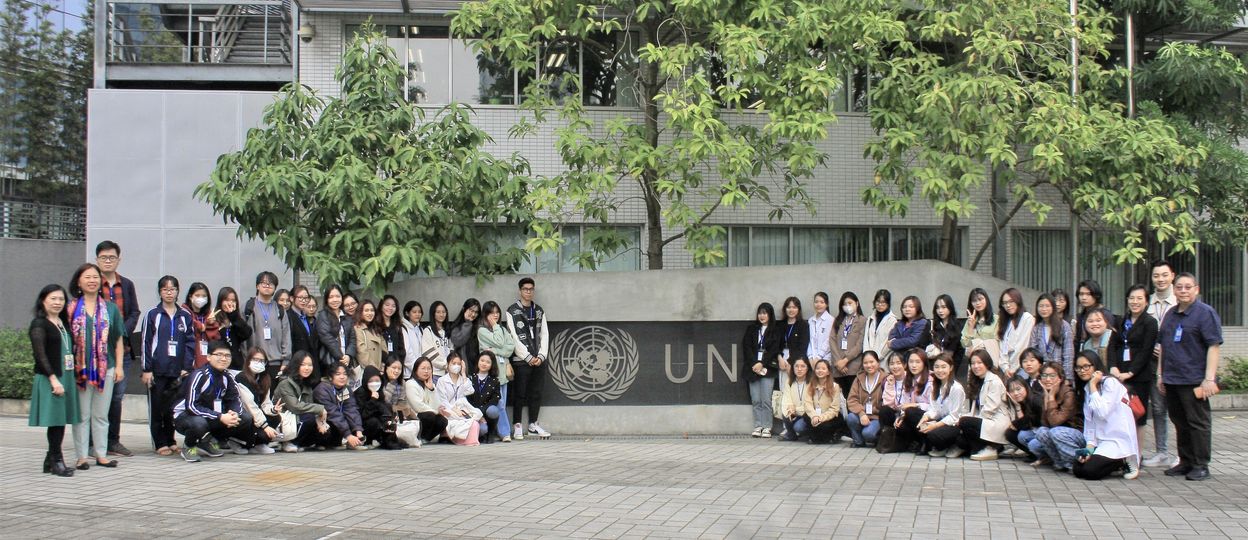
(159, 32)
(19, 219)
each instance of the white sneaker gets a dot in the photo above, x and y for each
(954, 452)
(1009, 452)
(517, 432)
(1133, 470)
(758, 432)
(1160, 459)
(938, 453)
(535, 429)
(291, 448)
(987, 454)
(237, 448)
(766, 433)
(261, 449)
(507, 438)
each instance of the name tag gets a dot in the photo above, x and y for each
(69, 362)
(203, 348)
(268, 333)
(785, 353)
(818, 411)
(216, 405)
(389, 346)
(1126, 356)
(1178, 334)
(868, 409)
(844, 344)
(171, 348)
(760, 356)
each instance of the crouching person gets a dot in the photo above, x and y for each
(379, 419)
(211, 406)
(341, 413)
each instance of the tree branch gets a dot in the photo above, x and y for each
(996, 228)
(697, 223)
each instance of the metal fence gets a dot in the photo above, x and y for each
(168, 32)
(20, 219)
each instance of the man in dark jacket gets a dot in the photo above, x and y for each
(211, 405)
(119, 290)
(302, 317)
(341, 412)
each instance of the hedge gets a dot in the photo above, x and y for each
(17, 368)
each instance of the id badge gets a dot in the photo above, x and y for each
(818, 411)
(1126, 356)
(760, 356)
(868, 408)
(786, 353)
(844, 344)
(389, 346)
(268, 333)
(1178, 334)
(69, 362)
(203, 348)
(171, 348)
(216, 406)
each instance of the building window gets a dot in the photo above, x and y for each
(1221, 275)
(764, 246)
(1040, 259)
(628, 258)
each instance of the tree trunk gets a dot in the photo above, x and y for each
(651, 86)
(948, 239)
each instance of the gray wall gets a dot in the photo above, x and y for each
(25, 267)
(148, 150)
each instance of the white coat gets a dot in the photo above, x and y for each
(876, 335)
(1108, 423)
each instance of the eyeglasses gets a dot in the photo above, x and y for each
(219, 355)
(108, 258)
(1048, 376)
(526, 289)
(265, 284)
(259, 359)
(1084, 367)
(303, 297)
(1184, 287)
(169, 289)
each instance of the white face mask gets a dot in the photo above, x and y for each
(848, 310)
(258, 367)
(374, 386)
(456, 368)
(199, 302)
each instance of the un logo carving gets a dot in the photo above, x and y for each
(594, 362)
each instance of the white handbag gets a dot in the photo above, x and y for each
(408, 431)
(289, 428)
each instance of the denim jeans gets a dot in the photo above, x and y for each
(1059, 444)
(504, 423)
(796, 427)
(1027, 438)
(760, 396)
(91, 431)
(862, 434)
(1160, 416)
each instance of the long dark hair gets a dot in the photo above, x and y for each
(469, 304)
(973, 383)
(939, 386)
(810, 371)
(258, 385)
(970, 304)
(1065, 312)
(1032, 408)
(48, 289)
(222, 296)
(1094, 288)
(292, 369)
(332, 313)
(840, 311)
(1081, 386)
(493, 363)
(949, 305)
(915, 383)
(1005, 318)
(392, 358)
(394, 322)
(766, 307)
(375, 325)
(416, 368)
(489, 307)
(433, 316)
(1054, 320)
(792, 300)
(190, 292)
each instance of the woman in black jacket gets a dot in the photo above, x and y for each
(946, 331)
(1133, 365)
(486, 394)
(796, 339)
(379, 419)
(54, 397)
(234, 329)
(762, 344)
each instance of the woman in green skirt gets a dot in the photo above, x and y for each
(52, 405)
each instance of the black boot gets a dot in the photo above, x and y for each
(58, 467)
(47, 463)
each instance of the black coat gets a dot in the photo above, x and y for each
(773, 342)
(45, 341)
(236, 334)
(948, 338)
(1140, 341)
(485, 393)
(303, 339)
(795, 337)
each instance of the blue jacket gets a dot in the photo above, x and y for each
(204, 388)
(159, 330)
(340, 409)
(908, 336)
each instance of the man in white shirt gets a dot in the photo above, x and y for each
(1160, 303)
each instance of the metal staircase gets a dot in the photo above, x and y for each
(251, 34)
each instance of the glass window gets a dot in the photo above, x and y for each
(492, 82)
(1221, 282)
(879, 245)
(628, 257)
(739, 254)
(925, 243)
(1039, 258)
(608, 62)
(769, 246)
(427, 60)
(559, 61)
(831, 245)
(1096, 261)
(900, 243)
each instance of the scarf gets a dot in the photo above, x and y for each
(90, 371)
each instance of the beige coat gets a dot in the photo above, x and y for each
(829, 404)
(993, 407)
(370, 348)
(857, 325)
(794, 401)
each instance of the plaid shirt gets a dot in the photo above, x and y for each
(112, 293)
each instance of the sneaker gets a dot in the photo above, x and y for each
(261, 449)
(518, 432)
(766, 433)
(1009, 452)
(118, 449)
(210, 449)
(987, 454)
(507, 439)
(938, 453)
(1133, 470)
(758, 432)
(1161, 459)
(954, 452)
(784, 434)
(237, 447)
(191, 454)
(290, 448)
(535, 429)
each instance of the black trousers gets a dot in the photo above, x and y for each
(846, 383)
(943, 437)
(308, 435)
(527, 390)
(1193, 424)
(432, 424)
(1097, 467)
(1011, 435)
(160, 402)
(909, 430)
(968, 439)
(195, 427)
(827, 431)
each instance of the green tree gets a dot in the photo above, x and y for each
(731, 98)
(980, 94)
(361, 187)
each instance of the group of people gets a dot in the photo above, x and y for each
(279, 371)
(1070, 390)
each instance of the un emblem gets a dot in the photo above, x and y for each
(594, 362)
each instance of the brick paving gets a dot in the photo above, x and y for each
(580, 487)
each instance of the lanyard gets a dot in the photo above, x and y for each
(789, 333)
(306, 327)
(848, 327)
(761, 335)
(264, 311)
(870, 387)
(1126, 326)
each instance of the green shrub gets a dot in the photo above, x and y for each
(17, 368)
(1234, 374)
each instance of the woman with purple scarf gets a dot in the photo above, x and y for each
(96, 328)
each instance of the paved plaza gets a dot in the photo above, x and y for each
(569, 487)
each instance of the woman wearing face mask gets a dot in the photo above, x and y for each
(794, 415)
(493, 336)
(1013, 330)
(823, 403)
(254, 385)
(1051, 335)
(53, 398)
(983, 426)
(911, 331)
(464, 330)
(848, 329)
(880, 324)
(379, 420)
(205, 325)
(1108, 425)
(865, 402)
(761, 345)
(342, 413)
(335, 329)
(453, 391)
(980, 330)
(234, 329)
(393, 390)
(423, 398)
(485, 394)
(295, 393)
(819, 334)
(1058, 411)
(1133, 365)
(939, 426)
(796, 338)
(946, 331)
